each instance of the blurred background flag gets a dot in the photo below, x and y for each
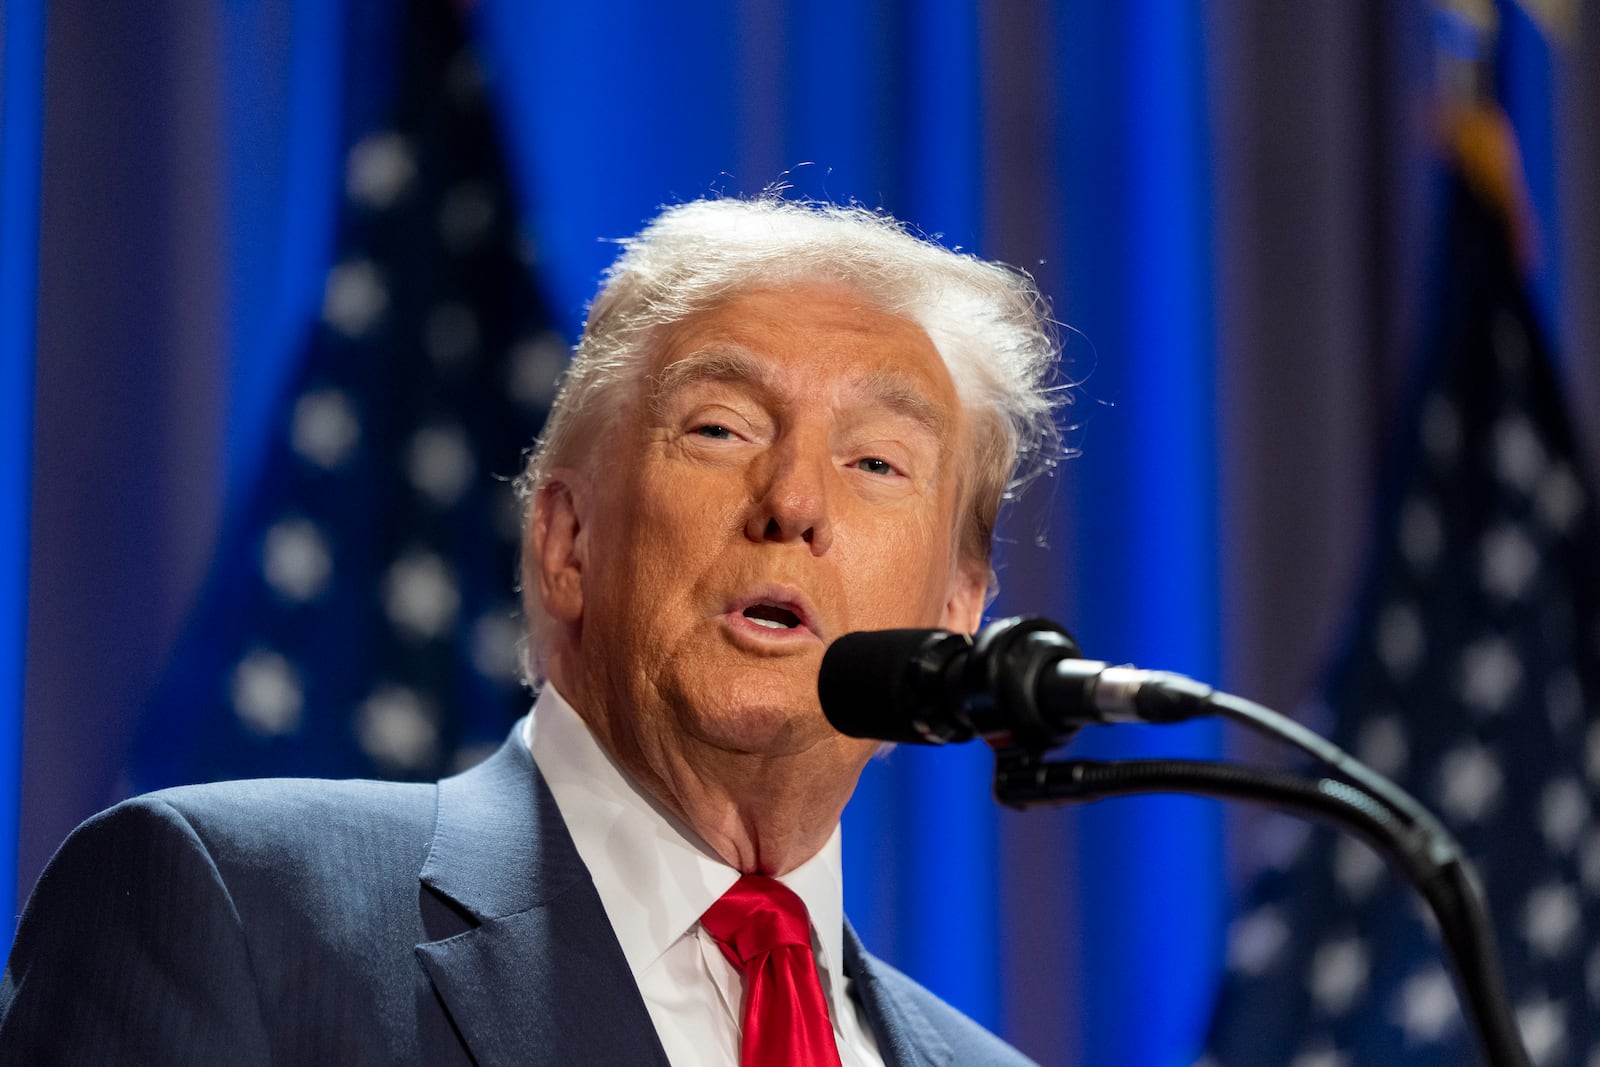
(359, 618)
(1226, 202)
(1473, 678)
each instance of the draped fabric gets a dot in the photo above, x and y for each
(1471, 679)
(359, 617)
(1228, 204)
(21, 38)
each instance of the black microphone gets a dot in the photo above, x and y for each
(1021, 684)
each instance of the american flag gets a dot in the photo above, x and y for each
(1473, 679)
(359, 618)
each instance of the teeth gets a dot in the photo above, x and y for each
(768, 623)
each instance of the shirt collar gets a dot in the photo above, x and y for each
(655, 876)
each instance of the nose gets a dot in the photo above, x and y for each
(790, 494)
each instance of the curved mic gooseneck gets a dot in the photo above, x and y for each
(1023, 687)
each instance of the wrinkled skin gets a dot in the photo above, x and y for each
(794, 452)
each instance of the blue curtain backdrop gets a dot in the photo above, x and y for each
(888, 110)
(186, 192)
(21, 49)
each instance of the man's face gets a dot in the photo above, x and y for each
(790, 472)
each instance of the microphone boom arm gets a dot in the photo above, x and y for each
(1422, 852)
(1022, 686)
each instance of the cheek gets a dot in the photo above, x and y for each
(686, 510)
(671, 527)
(899, 576)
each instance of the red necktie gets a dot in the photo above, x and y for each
(762, 928)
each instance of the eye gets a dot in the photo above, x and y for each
(714, 431)
(874, 465)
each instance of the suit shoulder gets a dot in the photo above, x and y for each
(284, 823)
(969, 1042)
(293, 803)
(308, 868)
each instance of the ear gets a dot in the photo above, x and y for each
(558, 546)
(963, 609)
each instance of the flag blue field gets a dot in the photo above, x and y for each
(359, 619)
(1473, 679)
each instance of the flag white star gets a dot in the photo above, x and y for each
(296, 560)
(439, 463)
(354, 297)
(1551, 919)
(1560, 498)
(1490, 671)
(324, 429)
(1356, 867)
(1321, 1056)
(1508, 562)
(379, 168)
(1469, 783)
(1381, 744)
(1519, 458)
(1256, 941)
(1425, 1006)
(396, 728)
(1543, 1024)
(420, 595)
(1339, 973)
(1563, 813)
(266, 692)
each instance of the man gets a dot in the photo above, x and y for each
(784, 422)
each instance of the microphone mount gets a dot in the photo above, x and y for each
(1020, 683)
(1023, 687)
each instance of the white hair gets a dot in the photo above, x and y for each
(987, 320)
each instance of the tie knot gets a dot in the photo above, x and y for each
(756, 916)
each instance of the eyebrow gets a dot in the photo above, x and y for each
(899, 393)
(722, 364)
(731, 365)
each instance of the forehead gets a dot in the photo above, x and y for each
(819, 340)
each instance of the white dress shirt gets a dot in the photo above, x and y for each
(656, 877)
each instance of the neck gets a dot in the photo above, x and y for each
(762, 813)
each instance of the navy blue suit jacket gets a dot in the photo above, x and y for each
(290, 921)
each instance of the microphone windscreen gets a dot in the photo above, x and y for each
(880, 683)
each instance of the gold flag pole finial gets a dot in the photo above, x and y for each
(1475, 133)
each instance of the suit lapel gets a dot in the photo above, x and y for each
(524, 958)
(905, 1036)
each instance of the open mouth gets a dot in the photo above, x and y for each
(772, 616)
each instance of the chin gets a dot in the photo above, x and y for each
(758, 719)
